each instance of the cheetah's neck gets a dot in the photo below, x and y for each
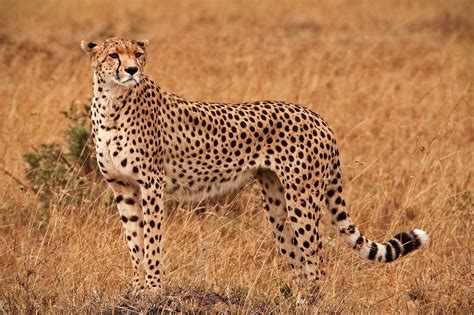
(108, 103)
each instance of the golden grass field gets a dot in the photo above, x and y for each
(393, 78)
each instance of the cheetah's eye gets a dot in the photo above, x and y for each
(138, 54)
(114, 56)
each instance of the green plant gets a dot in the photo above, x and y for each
(51, 169)
(79, 137)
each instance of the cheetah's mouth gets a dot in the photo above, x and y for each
(127, 81)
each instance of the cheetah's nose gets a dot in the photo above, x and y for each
(131, 70)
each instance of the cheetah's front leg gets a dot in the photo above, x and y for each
(128, 201)
(152, 206)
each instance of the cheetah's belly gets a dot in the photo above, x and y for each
(194, 188)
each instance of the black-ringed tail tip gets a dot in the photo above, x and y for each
(400, 245)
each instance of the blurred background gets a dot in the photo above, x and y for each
(393, 79)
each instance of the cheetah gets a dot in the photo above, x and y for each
(150, 143)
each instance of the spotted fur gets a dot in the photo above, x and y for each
(150, 143)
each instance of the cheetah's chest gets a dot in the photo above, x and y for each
(111, 155)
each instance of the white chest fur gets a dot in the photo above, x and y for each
(109, 142)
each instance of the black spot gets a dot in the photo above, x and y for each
(351, 229)
(135, 169)
(124, 162)
(130, 201)
(118, 199)
(133, 218)
(341, 216)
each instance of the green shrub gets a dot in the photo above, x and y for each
(53, 170)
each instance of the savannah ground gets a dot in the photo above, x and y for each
(393, 78)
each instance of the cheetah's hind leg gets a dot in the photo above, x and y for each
(297, 237)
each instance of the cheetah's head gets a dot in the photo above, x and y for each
(117, 61)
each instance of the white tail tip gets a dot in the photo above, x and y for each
(422, 236)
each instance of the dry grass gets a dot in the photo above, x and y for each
(393, 78)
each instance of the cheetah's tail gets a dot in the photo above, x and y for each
(400, 245)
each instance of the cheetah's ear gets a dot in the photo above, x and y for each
(88, 47)
(143, 43)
